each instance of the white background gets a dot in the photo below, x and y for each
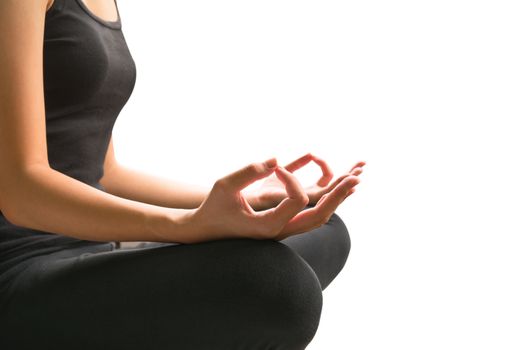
(429, 93)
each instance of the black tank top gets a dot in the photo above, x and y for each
(89, 74)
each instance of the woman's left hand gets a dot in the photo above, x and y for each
(272, 191)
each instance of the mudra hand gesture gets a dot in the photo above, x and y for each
(227, 212)
(272, 191)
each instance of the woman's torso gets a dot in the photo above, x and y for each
(89, 74)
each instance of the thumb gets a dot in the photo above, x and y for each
(250, 173)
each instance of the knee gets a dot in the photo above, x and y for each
(288, 293)
(261, 288)
(334, 248)
(341, 234)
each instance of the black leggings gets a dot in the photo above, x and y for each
(226, 294)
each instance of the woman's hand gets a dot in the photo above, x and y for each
(225, 212)
(272, 190)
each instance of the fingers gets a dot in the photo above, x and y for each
(352, 190)
(327, 172)
(302, 161)
(336, 182)
(299, 163)
(356, 171)
(321, 213)
(288, 207)
(243, 177)
(292, 185)
(332, 200)
(359, 164)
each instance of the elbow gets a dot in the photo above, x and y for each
(7, 204)
(14, 196)
(10, 204)
(5, 211)
(10, 213)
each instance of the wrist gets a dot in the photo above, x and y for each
(173, 225)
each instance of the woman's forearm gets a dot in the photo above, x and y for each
(44, 199)
(133, 184)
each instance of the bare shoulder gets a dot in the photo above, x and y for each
(9, 7)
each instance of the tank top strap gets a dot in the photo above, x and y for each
(56, 6)
(77, 8)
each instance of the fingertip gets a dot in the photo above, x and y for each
(354, 180)
(281, 169)
(271, 163)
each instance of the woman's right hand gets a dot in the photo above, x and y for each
(225, 212)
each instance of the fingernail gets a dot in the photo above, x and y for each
(271, 163)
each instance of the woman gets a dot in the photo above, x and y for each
(211, 273)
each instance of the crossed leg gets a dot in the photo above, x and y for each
(226, 294)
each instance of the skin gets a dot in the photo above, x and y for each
(102, 8)
(137, 206)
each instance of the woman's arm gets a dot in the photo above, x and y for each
(33, 194)
(132, 184)
(45, 199)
